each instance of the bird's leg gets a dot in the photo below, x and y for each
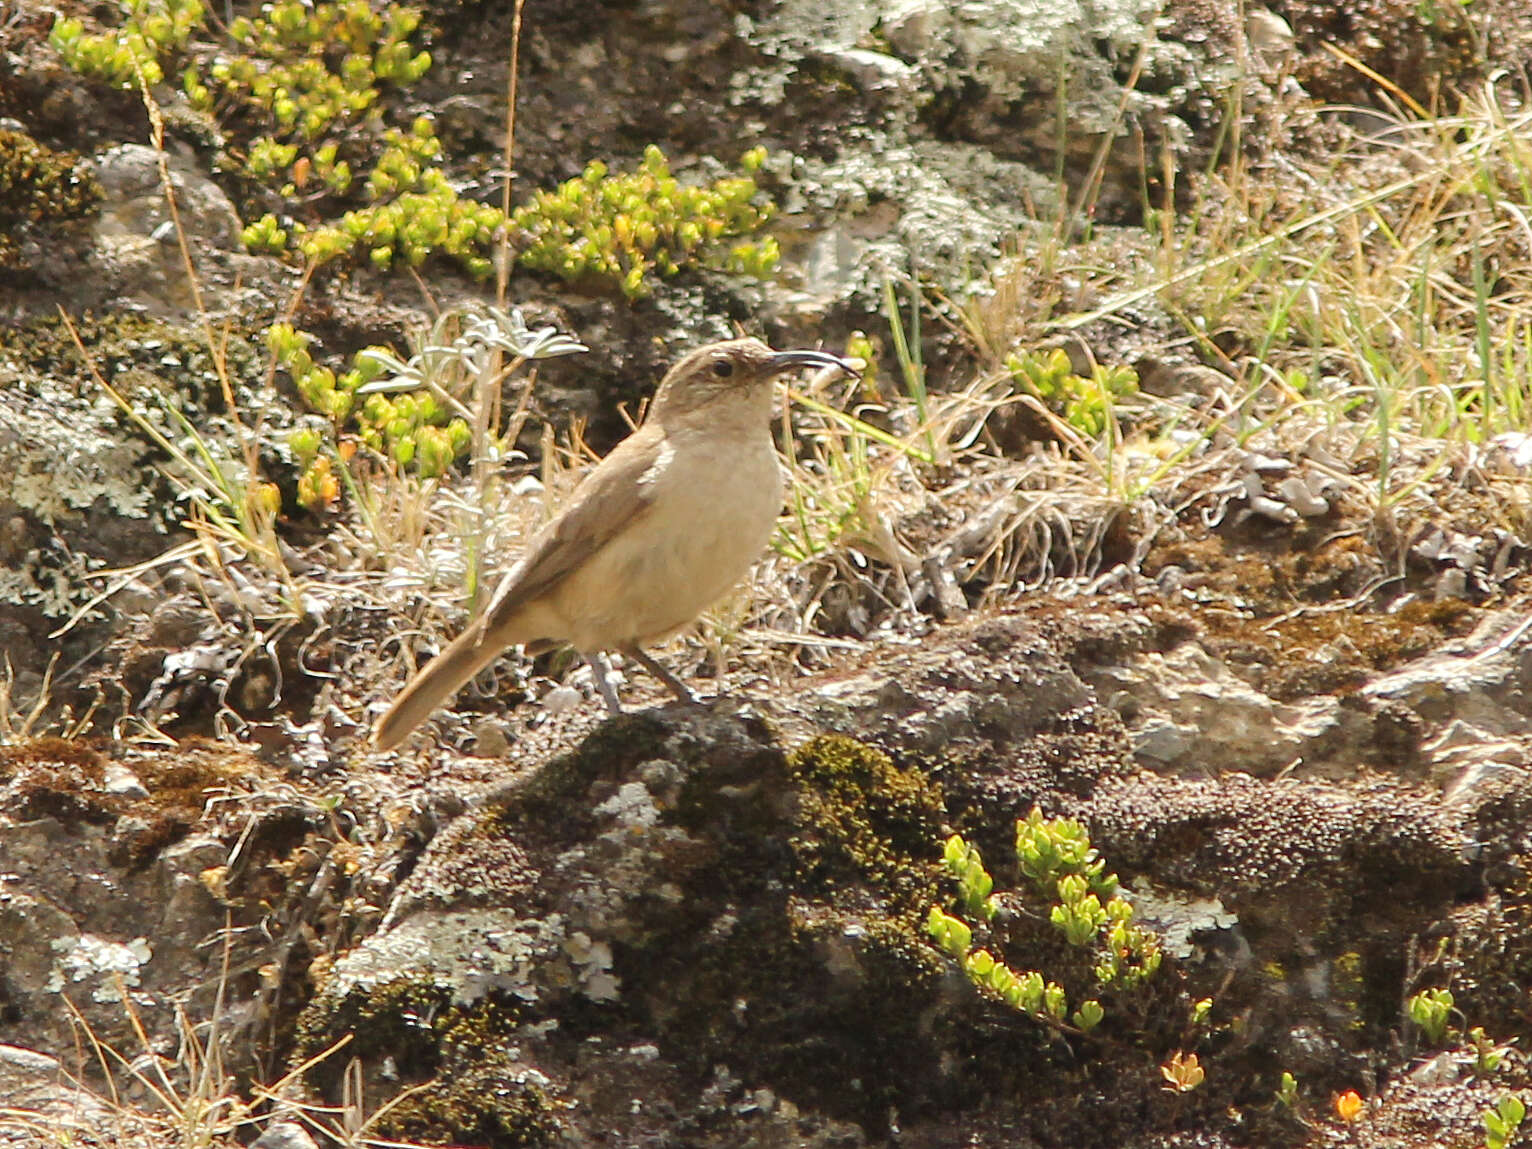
(677, 687)
(601, 671)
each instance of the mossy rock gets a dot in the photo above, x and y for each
(39, 189)
(464, 1084)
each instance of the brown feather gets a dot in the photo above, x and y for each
(609, 500)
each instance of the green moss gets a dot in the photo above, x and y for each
(1348, 984)
(472, 1092)
(862, 818)
(38, 184)
(394, 1020)
(40, 187)
(484, 1105)
(827, 869)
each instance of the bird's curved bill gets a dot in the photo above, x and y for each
(793, 360)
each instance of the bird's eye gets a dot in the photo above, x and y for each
(723, 368)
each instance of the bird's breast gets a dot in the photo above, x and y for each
(711, 508)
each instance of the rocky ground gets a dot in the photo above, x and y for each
(1276, 668)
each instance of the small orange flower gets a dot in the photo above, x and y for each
(318, 486)
(1348, 1105)
(1182, 1074)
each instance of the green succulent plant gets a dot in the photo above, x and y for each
(306, 81)
(1056, 854)
(627, 228)
(152, 30)
(412, 412)
(1084, 402)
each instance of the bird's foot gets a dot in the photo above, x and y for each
(601, 671)
(676, 686)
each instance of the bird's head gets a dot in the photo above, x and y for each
(738, 372)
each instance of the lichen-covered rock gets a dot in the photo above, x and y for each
(694, 919)
(79, 468)
(741, 915)
(105, 894)
(685, 875)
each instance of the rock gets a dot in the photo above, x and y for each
(284, 1135)
(580, 881)
(912, 25)
(118, 779)
(1190, 713)
(137, 252)
(43, 1107)
(1270, 38)
(875, 70)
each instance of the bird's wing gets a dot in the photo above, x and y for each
(610, 499)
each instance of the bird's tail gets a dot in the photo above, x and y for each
(442, 677)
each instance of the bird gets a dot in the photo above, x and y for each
(657, 532)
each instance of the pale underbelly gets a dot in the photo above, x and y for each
(694, 545)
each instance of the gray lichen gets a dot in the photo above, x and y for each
(61, 454)
(990, 74)
(471, 952)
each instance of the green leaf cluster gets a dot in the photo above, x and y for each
(1487, 1055)
(312, 66)
(974, 883)
(313, 71)
(265, 235)
(1431, 1009)
(308, 75)
(1053, 848)
(152, 29)
(416, 431)
(417, 213)
(307, 70)
(1056, 854)
(1085, 403)
(1502, 1122)
(1026, 991)
(626, 228)
(414, 412)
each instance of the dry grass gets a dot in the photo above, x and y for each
(190, 1100)
(1367, 314)
(1381, 296)
(1374, 321)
